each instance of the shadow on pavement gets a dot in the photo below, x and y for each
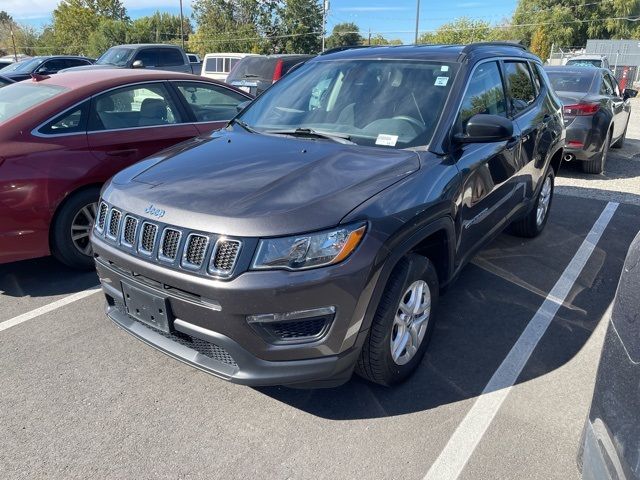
(484, 313)
(43, 277)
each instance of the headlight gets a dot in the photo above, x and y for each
(308, 251)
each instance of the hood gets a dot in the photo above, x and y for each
(16, 76)
(90, 67)
(244, 184)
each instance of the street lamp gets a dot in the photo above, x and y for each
(181, 25)
(417, 20)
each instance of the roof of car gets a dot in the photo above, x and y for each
(138, 45)
(445, 53)
(592, 56)
(574, 70)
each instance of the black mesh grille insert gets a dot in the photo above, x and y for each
(114, 222)
(148, 237)
(102, 216)
(129, 231)
(203, 347)
(296, 329)
(196, 249)
(226, 254)
(170, 242)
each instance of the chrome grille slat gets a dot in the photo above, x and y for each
(224, 257)
(195, 250)
(147, 240)
(129, 231)
(114, 223)
(169, 244)
(102, 217)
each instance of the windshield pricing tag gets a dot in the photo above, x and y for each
(441, 81)
(387, 140)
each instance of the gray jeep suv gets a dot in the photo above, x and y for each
(316, 232)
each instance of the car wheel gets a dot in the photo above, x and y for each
(620, 142)
(597, 165)
(71, 229)
(402, 324)
(534, 222)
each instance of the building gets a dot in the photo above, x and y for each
(623, 55)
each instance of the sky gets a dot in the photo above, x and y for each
(392, 19)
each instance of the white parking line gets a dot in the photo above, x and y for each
(12, 322)
(465, 439)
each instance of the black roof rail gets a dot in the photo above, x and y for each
(345, 47)
(473, 46)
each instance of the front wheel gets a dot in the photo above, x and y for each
(71, 228)
(402, 324)
(533, 223)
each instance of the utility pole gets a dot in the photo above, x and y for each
(181, 25)
(13, 41)
(417, 20)
(369, 36)
(325, 9)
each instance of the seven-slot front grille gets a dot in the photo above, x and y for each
(165, 243)
(148, 238)
(114, 223)
(129, 231)
(195, 250)
(169, 244)
(224, 256)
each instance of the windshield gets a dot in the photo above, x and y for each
(387, 103)
(571, 81)
(19, 97)
(25, 66)
(116, 56)
(585, 63)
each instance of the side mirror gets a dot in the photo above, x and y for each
(42, 70)
(137, 64)
(483, 128)
(630, 93)
(242, 105)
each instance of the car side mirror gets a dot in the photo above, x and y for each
(630, 93)
(42, 70)
(242, 105)
(484, 128)
(137, 64)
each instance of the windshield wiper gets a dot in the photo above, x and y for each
(310, 132)
(237, 121)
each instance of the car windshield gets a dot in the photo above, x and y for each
(19, 97)
(571, 81)
(583, 62)
(386, 103)
(25, 66)
(116, 56)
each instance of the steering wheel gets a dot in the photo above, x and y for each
(411, 120)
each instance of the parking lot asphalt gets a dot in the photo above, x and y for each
(82, 399)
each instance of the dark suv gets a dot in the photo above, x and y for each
(316, 232)
(255, 73)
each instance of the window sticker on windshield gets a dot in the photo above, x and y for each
(444, 68)
(386, 140)
(441, 81)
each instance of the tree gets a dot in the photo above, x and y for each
(106, 35)
(380, 40)
(459, 32)
(345, 34)
(159, 27)
(301, 22)
(74, 21)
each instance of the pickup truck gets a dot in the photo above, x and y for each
(144, 55)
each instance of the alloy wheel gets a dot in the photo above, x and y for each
(81, 228)
(543, 201)
(410, 323)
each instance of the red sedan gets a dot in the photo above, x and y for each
(62, 137)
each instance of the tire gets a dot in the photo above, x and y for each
(74, 214)
(376, 362)
(596, 166)
(533, 223)
(620, 142)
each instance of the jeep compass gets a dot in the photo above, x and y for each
(313, 235)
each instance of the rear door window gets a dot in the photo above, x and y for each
(76, 62)
(134, 106)
(485, 93)
(210, 103)
(522, 92)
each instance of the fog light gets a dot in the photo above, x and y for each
(293, 327)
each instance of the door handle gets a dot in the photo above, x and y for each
(512, 143)
(122, 153)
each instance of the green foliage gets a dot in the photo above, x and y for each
(158, 28)
(461, 31)
(380, 40)
(344, 34)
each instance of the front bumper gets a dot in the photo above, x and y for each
(210, 329)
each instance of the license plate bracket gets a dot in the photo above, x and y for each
(150, 309)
